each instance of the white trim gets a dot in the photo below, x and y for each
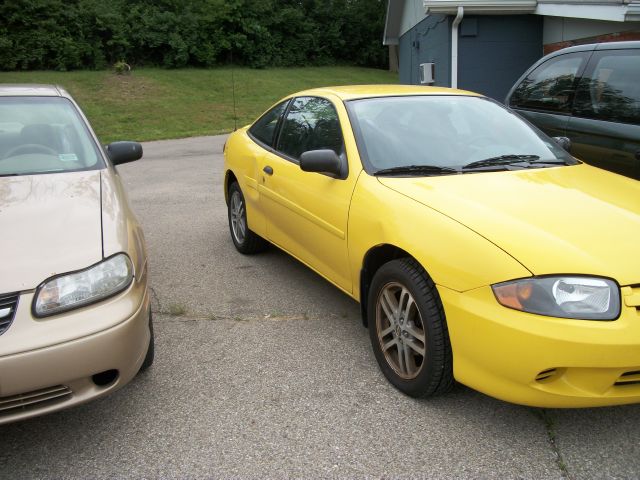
(612, 13)
(393, 19)
(633, 12)
(480, 6)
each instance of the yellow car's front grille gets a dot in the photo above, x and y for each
(629, 378)
(632, 297)
(546, 374)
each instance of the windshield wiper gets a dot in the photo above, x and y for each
(500, 160)
(417, 170)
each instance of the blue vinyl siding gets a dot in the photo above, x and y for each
(493, 51)
(503, 48)
(428, 42)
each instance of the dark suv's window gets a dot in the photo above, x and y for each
(611, 89)
(550, 86)
(265, 128)
(311, 124)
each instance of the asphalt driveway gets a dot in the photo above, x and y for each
(264, 370)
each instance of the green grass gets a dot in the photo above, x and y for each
(155, 104)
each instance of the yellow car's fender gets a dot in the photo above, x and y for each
(243, 168)
(384, 223)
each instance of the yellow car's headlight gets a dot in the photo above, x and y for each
(77, 289)
(586, 298)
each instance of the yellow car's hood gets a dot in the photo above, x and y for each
(575, 219)
(50, 224)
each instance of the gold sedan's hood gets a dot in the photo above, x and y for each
(576, 219)
(49, 224)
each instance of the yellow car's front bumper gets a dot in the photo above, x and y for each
(542, 361)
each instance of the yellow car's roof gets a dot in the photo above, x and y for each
(351, 92)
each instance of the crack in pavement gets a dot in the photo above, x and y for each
(550, 428)
(154, 296)
(192, 317)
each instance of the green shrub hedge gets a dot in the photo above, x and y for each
(95, 34)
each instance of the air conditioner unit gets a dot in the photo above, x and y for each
(427, 73)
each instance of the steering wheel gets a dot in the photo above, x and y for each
(30, 147)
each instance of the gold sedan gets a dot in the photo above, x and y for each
(75, 318)
(478, 248)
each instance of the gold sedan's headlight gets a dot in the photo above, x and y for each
(586, 298)
(77, 289)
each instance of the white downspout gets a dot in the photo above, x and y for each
(454, 47)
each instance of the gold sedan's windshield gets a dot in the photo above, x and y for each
(43, 135)
(448, 134)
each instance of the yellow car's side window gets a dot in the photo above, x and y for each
(311, 124)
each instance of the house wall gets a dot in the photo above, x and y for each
(495, 50)
(413, 12)
(560, 29)
(427, 42)
(566, 32)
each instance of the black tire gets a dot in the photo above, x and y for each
(424, 375)
(148, 359)
(245, 240)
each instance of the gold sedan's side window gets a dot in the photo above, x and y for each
(311, 124)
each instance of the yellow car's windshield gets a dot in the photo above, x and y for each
(447, 134)
(43, 135)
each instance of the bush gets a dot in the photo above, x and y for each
(121, 67)
(62, 35)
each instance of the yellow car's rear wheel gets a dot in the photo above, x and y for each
(244, 239)
(408, 329)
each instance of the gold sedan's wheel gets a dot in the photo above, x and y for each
(400, 330)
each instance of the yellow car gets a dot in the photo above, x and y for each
(478, 248)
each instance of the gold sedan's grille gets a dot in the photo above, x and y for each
(8, 306)
(35, 399)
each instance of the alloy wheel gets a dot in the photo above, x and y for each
(238, 219)
(400, 330)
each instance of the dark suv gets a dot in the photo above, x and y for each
(591, 94)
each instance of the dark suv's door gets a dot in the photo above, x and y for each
(545, 95)
(605, 127)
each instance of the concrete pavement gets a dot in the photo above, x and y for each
(264, 370)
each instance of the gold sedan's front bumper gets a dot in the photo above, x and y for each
(49, 378)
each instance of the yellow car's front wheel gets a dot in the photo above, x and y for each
(408, 329)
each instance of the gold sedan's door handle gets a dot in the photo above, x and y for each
(268, 170)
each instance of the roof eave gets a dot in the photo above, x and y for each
(393, 22)
(481, 7)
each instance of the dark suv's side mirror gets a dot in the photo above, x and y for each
(564, 142)
(124, 152)
(324, 161)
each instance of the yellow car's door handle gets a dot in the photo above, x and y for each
(268, 170)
